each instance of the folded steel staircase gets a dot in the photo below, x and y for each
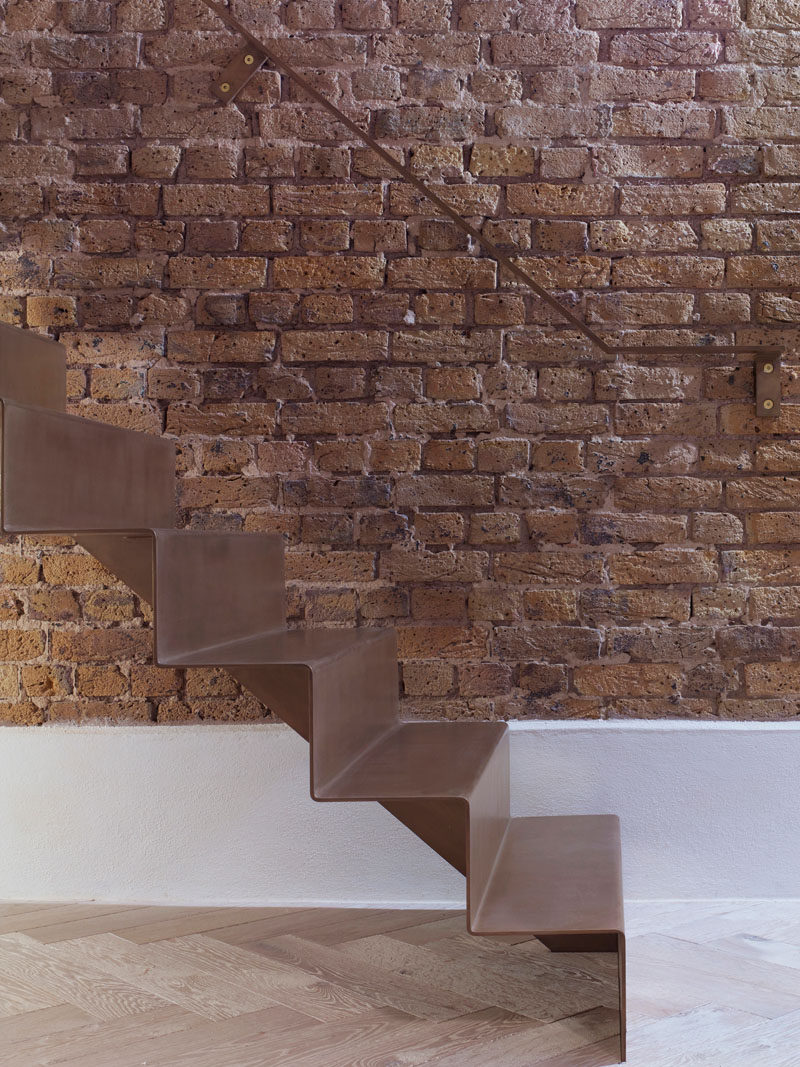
(218, 600)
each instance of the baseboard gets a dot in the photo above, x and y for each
(207, 815)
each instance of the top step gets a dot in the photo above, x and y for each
(33, 369)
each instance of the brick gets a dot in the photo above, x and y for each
(616, 14)
(658, 272)
(210, 272)
(714, 14)
(416, 565)
(445, 490)
(507, 160)
(544, 49)
(621, 84)
(334, 417)
(760, 123)
(636, 382)
(666, 49)
(441, 642)
(726, 235)
(640, 308)
(225, 418)
(664, 567)
(465, 199)
(449, 50)
(763, 47)
(548, 568)
(311, 272)
(441, 272)
(699, 199)
(630, 235)
(667, 120)
(446, 346)
(542, 120)
(546, 641)
(672, 492)
(641, 161)
(431, 123)
(763, 272)
(627, 679)
(558, 418)
(444, 417)
(331, 200)
(543, 199)
(334, 345)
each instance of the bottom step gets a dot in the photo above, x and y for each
(556, 875)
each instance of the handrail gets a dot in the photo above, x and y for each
(489, 246)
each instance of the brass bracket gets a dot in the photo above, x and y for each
(768, 386)
(238, 73)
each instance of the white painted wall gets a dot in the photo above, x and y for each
(221, 814)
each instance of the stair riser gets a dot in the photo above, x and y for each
(354, 702)
(490, 810)
(33, 369)
(65, 475)
(212, 588)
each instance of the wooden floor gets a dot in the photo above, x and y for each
(86, 985)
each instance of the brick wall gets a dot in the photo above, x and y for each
(554, 533)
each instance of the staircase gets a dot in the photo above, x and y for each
(218, 600)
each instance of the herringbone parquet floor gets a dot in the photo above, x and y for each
(84, 985)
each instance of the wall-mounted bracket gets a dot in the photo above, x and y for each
(768, 386)
(238, 73)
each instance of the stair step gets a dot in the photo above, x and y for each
(559, 874)
(64, 474)
(419, 760)
(33, 368)
(310, 648)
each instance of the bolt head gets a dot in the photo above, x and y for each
(768, 368)
(768, 405)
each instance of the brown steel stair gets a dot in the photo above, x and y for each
(218, 600)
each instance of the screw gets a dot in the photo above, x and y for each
(768, 368)
(225, 87)
(249, 59)
(768, 405)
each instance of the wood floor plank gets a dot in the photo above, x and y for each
(593, 975)
(40, 918)
(523, 992)
(700, 1036)
(198, 922)
(109, 922)
(24, 907)
(202, 1044)
(32, 1024)
(391, 990)
(283, 984)
(555, 1038)
(142, 967)
(75, 1043)
(780, 984)
(88, 988)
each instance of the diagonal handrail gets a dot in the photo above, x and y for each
(486, 243)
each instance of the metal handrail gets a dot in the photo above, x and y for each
(488, 245)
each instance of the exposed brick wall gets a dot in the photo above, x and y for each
(553, 533)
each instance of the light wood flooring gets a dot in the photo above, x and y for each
(87, 985)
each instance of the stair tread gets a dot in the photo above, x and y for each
(420, 759)
(280, 647)
(559, 874)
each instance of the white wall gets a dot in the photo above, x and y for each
(221, 814)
